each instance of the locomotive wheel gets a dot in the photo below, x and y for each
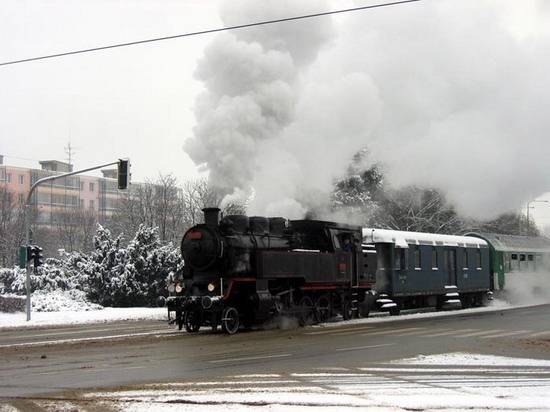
(395, 311)
(323, 308)
(307, 313)
(364, 309)
(192, 321)
(346, 310)
(230, 320)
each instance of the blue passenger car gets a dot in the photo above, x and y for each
(423, 269)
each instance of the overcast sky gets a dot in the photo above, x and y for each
(399, 63)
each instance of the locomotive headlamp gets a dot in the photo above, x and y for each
(211, 287)
(179, 288)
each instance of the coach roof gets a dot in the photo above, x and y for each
(403, 239)
(515, 243)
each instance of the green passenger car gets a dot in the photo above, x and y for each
(511, 255)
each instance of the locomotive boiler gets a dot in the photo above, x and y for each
(240, 270)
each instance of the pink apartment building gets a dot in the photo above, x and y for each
(97, 194)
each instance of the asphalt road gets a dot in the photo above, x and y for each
(54, 360)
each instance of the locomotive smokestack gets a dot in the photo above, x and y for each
(211, 216)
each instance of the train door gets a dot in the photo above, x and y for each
(450, 265)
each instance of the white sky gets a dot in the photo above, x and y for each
(135, 101)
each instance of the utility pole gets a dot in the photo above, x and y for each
(123, 180)
(529, 207)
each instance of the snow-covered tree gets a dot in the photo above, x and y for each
(141, 279)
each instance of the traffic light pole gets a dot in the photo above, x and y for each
(28, 219)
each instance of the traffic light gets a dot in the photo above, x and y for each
(37, 257)
(123, 173)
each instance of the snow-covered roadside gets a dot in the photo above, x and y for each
(379, 317)
(18, 320)
(57, 318)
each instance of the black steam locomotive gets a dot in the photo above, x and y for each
(242, 270)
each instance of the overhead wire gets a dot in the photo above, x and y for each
(202, 32)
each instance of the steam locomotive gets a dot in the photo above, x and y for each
(240, 271)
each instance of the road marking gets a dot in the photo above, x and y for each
(534, 335)
(283, 355)
(453, 373)
(82, 331)
(482, 332)
(414, 332)
(365, 347)
(90, 339)
(49, 373)
(450, 332)
(385, 332)
(500, 335)
(324, 332)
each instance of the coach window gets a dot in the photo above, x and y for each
(478, 259)
(434, 258)
(417, 258)
(466, 266)
(515, 261)
(399, 259)
(530, 262)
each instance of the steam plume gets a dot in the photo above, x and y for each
(446, 94)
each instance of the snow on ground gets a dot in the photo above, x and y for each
(78, 317)
(467, 359)
(441, 382)
(62, 301)
(377, 317)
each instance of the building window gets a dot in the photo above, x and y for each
(466, 266)
(8, 177)
(82, 203)
(21, 179)
(530, 258)
(81, 186)
(434, 258)
(514, 256)
(91, 203)
(21, 199)
(91, 186)
(522, 257)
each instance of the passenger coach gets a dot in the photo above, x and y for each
(423, 269)
(516, 259)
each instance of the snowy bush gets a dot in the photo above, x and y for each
(48, 277)
(135, 275)
(110, 275)
(56, 301)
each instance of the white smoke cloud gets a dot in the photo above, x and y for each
(463, 92)
(252, 82)
(446, 94)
